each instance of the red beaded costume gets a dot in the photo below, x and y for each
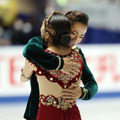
(52, 108)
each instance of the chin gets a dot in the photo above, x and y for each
(72, 45)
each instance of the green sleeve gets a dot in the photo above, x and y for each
(34, 52)
(88, 79)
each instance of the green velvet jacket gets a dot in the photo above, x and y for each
(34, 52)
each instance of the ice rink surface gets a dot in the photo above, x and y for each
(95, 109)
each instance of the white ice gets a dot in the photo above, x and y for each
(96, 109)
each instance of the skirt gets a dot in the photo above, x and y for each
(51, 112)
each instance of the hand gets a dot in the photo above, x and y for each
(70, 67)
(28, 68)
(73, 93)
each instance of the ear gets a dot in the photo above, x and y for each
(47, 36)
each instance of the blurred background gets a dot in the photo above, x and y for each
(21, 19)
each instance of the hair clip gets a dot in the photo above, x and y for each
(48, 26)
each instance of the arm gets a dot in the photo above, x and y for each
(90, 86)
(88, 80)
(34, 52)
(27, 71)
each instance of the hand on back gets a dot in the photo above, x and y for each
(70, 67)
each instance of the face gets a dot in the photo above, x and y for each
(78, 31)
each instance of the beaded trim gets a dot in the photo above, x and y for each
(59, 103)
(23, 75)
(63, 79)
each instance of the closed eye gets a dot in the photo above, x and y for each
(73, 33)
(81, 37)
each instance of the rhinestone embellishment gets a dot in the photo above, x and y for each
(51, 79)
(40, 72)
(56, 102)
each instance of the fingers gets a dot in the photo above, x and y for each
(72, 74)
(74, 85)
(73, 88)
(70, 98)
(73, 70)
(69, 90)
(70, 67)
(67, 93)
(74, 67)
(72, 93)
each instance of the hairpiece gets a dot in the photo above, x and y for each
(48, 26)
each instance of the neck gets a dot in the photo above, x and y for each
(62, 50)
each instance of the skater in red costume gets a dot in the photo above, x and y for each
(56, 32)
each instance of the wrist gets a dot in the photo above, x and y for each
(23, 75)
(60, 63)
(84, 92)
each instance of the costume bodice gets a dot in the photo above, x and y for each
(63, 79)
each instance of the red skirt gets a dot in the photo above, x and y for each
(53, 113)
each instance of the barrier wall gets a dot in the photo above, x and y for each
(103, 60)
(11, 62)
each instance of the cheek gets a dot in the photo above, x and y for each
(72, 36)
(78, 40)
(75, 39)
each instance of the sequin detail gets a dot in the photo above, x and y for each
(63, 79)
(59, 102)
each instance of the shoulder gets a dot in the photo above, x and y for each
(33, 44)
(30, 65)
(77, 52)
(36, 40)
(78, 49)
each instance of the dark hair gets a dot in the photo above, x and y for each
(61, 25)
(77, 16)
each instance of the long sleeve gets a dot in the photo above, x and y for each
(34, 52)
(88, 80)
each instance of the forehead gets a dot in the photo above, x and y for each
(79, 27)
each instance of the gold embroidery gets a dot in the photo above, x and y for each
(57, 102)
(63, 77)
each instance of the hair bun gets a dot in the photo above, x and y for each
(65, 39)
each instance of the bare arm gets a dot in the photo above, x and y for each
(27, 71)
